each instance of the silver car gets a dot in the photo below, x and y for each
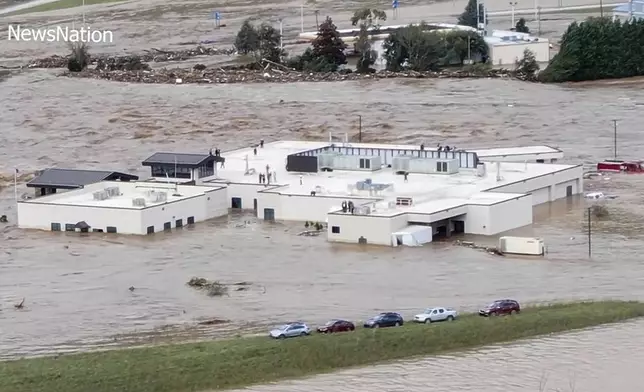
(290, 330)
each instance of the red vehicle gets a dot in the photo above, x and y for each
(500, 308)
(617, 166)
(337, 326)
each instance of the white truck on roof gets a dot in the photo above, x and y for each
(432, 315)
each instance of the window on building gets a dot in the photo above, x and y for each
(170, 172)
(335, 229)
(439, 167)
(167, 226)
(110, 229)
(540, 161)
(444, 164)
(365, 163)
(97, 230)
(150, 229)
(179, 223)
(70, 227)
(191, 220)
(207, 170)
(55, 226)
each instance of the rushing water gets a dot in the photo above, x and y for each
(76, 287)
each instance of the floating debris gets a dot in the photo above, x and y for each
(213, 289)
(3, 219)
(489, 249)
(20, 305)
(213, 321)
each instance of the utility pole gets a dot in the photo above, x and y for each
(317, 25)
(83, 12)
(590, 247)
(615, 138)
(360, 128)
(539, 19)
(513, 4)
(536, 5)
(281, 35)
(302, 18)
(601, 9)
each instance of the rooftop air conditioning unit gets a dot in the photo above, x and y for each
(113, 191)
(138, 202)
(101, 195)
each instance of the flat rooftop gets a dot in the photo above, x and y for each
(430, 192)
(127, 192)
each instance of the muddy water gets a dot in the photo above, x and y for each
(76, 288)
(590, 361)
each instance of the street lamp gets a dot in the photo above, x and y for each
(513, 4)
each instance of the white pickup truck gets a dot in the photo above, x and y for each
(432, 315)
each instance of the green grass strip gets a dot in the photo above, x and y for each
(59, 5)
(242, 362)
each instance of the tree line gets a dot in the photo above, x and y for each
(415, 47)
(598, 48)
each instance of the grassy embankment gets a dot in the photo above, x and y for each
(241, 362)
(59, 5)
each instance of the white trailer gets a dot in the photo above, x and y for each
(522, 246)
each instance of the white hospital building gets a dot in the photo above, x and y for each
(366, 193)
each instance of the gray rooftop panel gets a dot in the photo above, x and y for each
(72, 178)
(179, 159)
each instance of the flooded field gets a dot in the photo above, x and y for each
(76, 289)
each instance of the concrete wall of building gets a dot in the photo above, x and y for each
(160, 214)
(375, 229)
(478, 220)
(509, 54)
(246, 192)
(557, 182)
(40, 216)
(510, 215)
(216, 202)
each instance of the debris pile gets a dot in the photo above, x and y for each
(489, 249)
(227, 75)
(122, 63)
(153, 55)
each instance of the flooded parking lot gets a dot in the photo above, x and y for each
(76, 287)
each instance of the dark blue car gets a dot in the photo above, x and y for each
(388, 319)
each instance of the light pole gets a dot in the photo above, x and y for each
(615, 138)
(302, 18)
(536, 4)
(360, 128)
(589, 233)
(83, 12)
(317, 25)
(513, 4)
(281, 35)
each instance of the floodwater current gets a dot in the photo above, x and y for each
(76, 287)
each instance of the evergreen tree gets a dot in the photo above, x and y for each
(247, 40)
(328, 47)
(468, 17)
(528, 65)
(521, 26)
(269, 43)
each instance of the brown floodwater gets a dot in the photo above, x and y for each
(76, 287)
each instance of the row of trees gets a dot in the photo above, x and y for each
(414, 47)
(598, 48)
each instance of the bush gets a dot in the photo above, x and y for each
(527, 66)
(79, 59)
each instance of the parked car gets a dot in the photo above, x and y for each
(387, 319)
(336, 326)
(432, 315)
(290, 330)
(500, 308)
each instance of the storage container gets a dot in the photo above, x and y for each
(522, 246)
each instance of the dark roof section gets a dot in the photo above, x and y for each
(185, 160)
(73, 179)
